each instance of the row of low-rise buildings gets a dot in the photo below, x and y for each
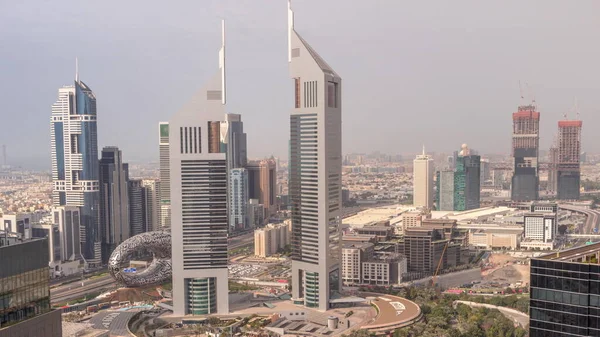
(424, 245)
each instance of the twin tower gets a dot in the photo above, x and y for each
(199, 187)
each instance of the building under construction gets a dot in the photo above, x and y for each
(568, 167)
(525, 149)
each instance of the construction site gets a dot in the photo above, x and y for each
(568, 170)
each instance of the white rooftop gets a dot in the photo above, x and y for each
(376, 214)
(472, 214)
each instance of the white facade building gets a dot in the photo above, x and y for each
(423, 181)
(199, 224)
(238, 199)
(315, 173)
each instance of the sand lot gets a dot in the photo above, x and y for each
(507, 270)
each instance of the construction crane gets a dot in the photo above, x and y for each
(437, 270)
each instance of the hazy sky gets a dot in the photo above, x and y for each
(435, 72)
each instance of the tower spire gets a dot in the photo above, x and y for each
(290, 29)
(423, 149)
(222, 64)
(76, 70)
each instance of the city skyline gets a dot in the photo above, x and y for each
(553, 95)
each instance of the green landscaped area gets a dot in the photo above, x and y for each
(441, 318)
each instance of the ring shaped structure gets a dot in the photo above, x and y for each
(159, 270)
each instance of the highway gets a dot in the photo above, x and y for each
(75, 290)
(591, 222)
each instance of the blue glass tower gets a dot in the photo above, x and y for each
(74, 148)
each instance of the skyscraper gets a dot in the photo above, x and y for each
(165, 184)
(445, 190)
(423, 181)
(238, 199)
(262, 183)
(315, 173)
(198, 177)
(114, 200)
(525, 148)
(137, 206)
(268, 185)
(233, 141)
(74, 151)
(467, 187)
(568, 167)
(152, 203)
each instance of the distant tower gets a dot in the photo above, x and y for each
(164, 210)
(74, 152)
(4, 162)
(525, 149)
(238, 199)
(568, 166)
(233, 141)
(316, 174)
(423, 181)
(199, 201)
(467, 184)
(114, 200)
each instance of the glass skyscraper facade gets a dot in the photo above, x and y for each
(25, 291)
(467, 188)
(565, 293)
(74, 151)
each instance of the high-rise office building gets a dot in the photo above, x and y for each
(238, 199)
(114, 200)
(315, 173)
(525, 148)
(423, 181)
(268, 185)
(137, 206)
(565, 293)
(233, 141)
(262, 183)
(445, 190)
(165, 184)
(467, 186)
(25, 290)
(568, 166)
(152, 203)
(199, 224)
(74, 152)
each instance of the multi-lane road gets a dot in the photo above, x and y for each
(79, 289)
(592, 221)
